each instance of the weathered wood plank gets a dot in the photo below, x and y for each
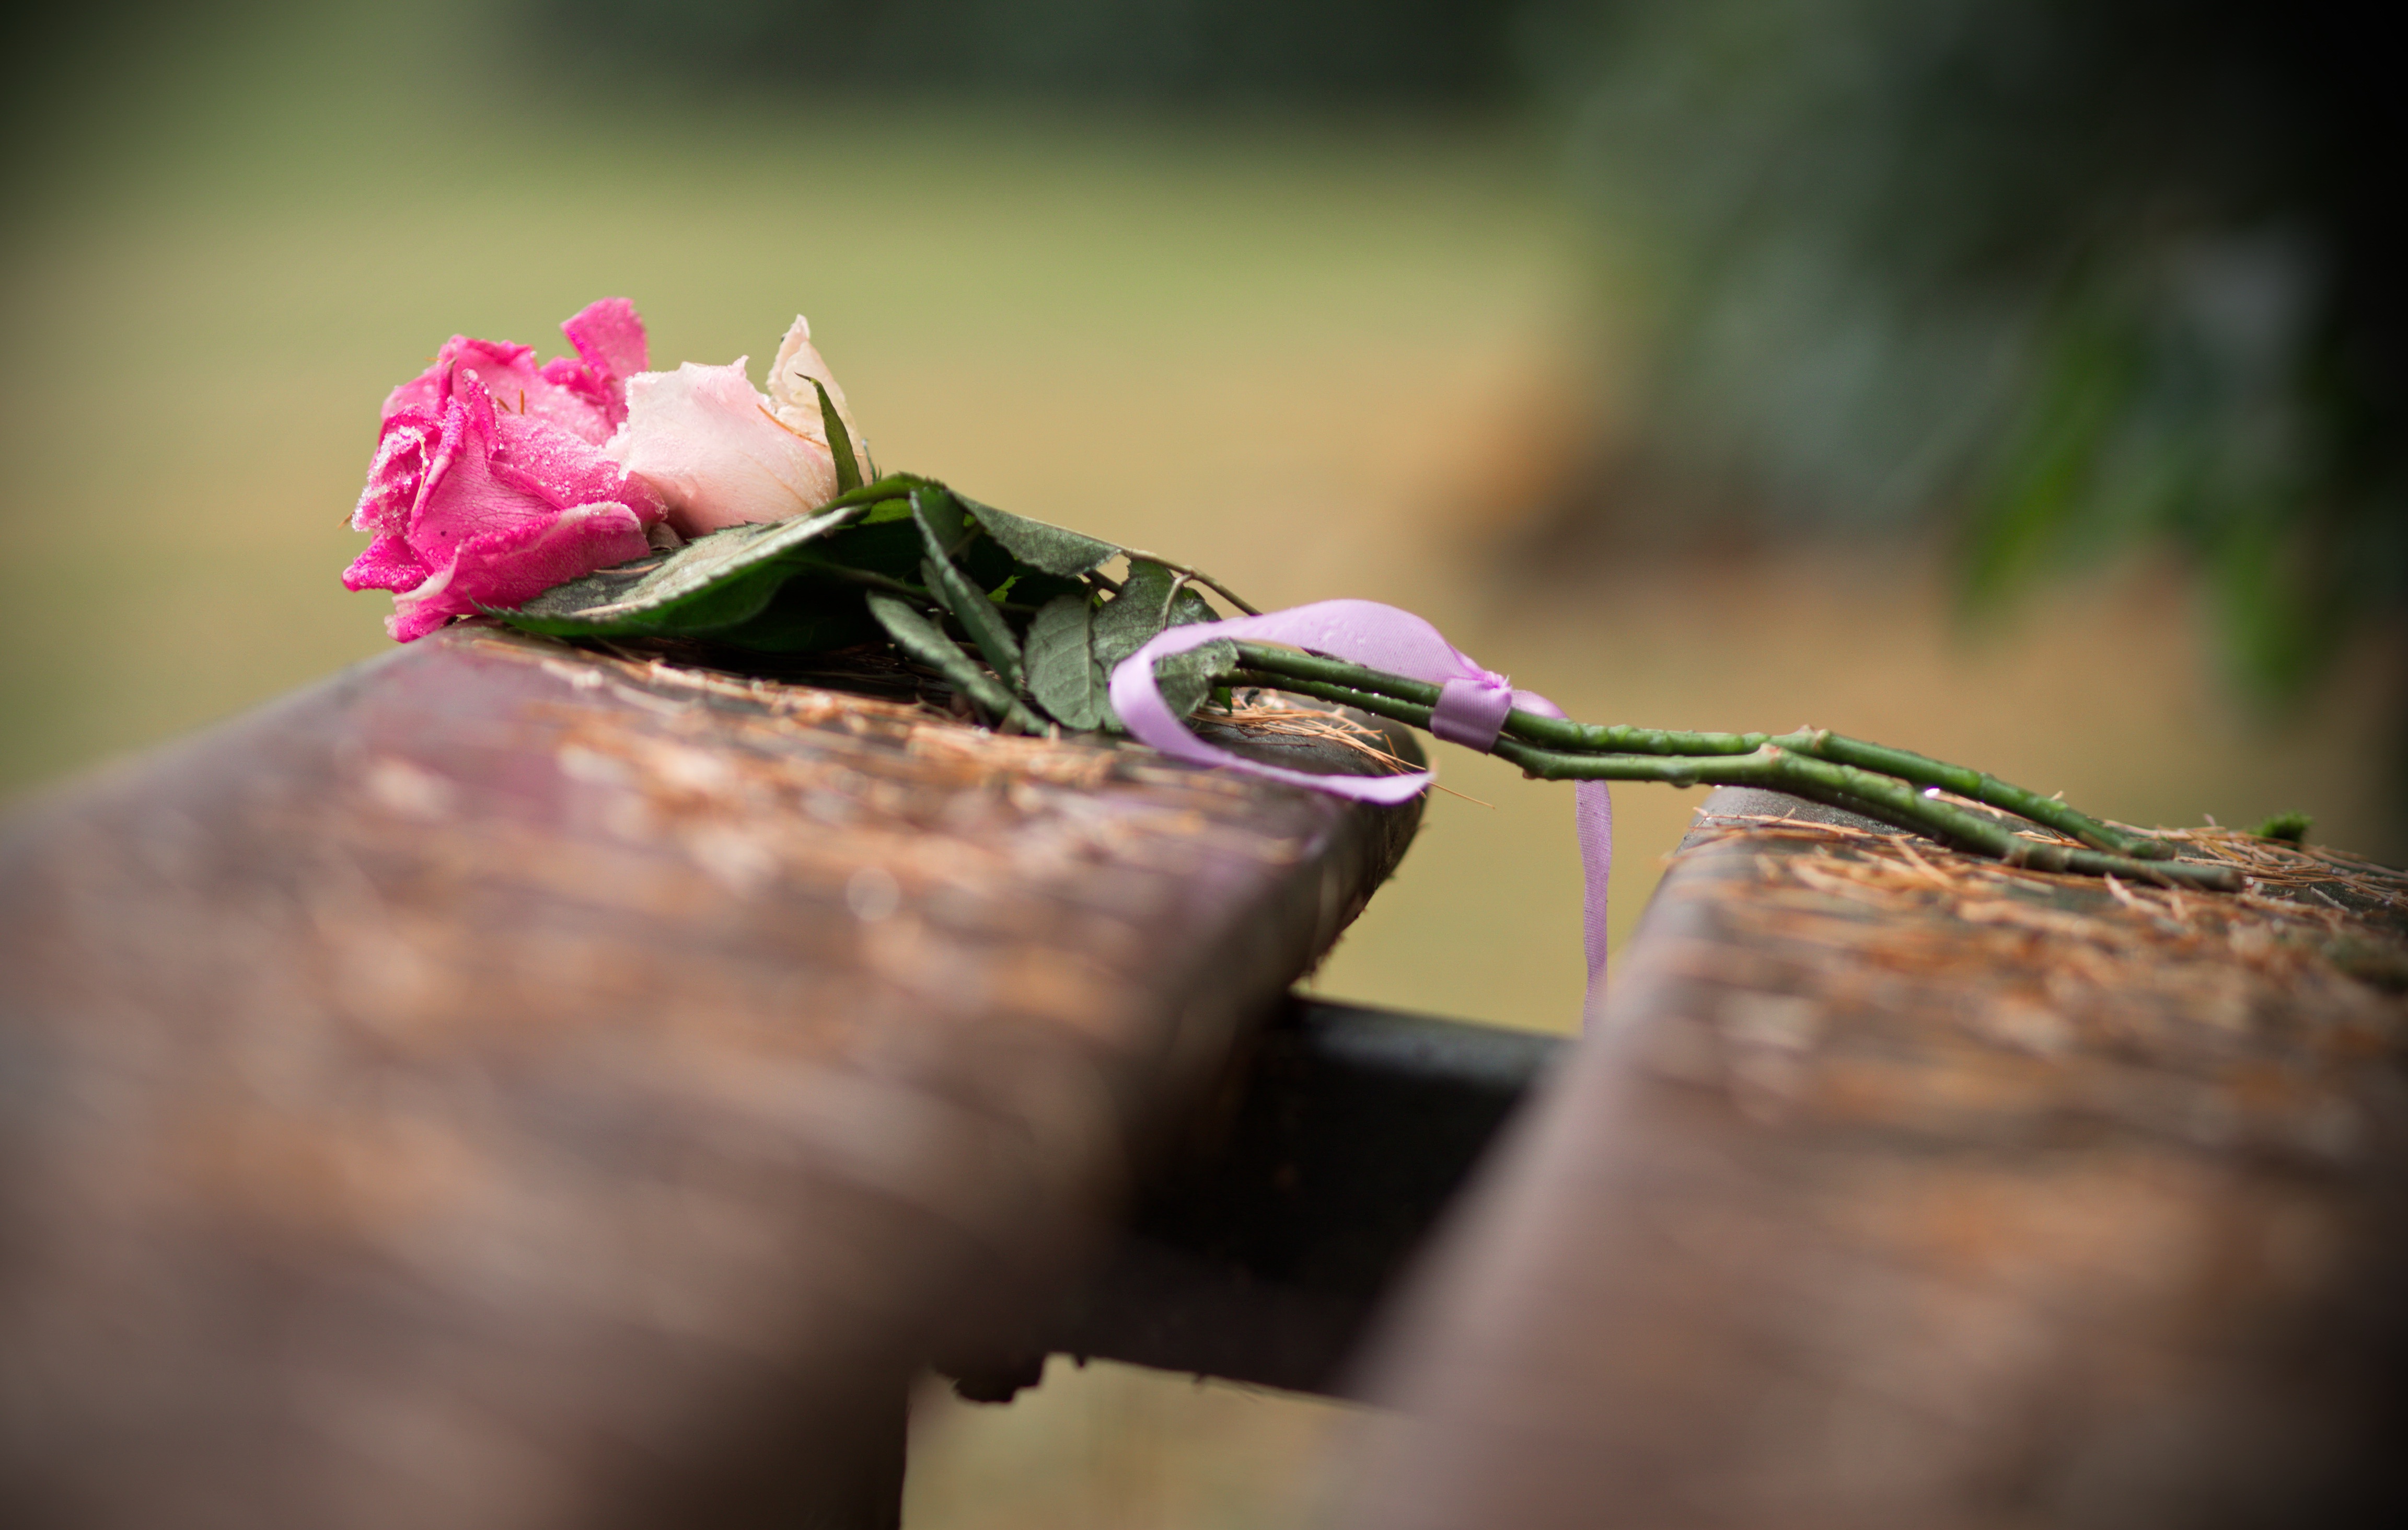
(1893, 1189)
(511, 1087)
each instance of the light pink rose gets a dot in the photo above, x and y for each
(793, 400)
(490, 484)
(720, 453)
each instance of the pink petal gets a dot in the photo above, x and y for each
(706, 443)
(430, 390)
(510, 564)
(609, 339)
(608, 400)
(389, 564)
(520, 387)
(461, 498)
(421, 395)
(396, 470)
(564, 470)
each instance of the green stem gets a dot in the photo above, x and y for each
(1223, 591)
(1979, 786)
(1555, 732)
(1588, 738)
(1884, 797)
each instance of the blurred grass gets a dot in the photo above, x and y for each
(1114, 1446)
(1317, 357)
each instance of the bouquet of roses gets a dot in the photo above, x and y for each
(591, 499)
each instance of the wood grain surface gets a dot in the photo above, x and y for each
(1897, 1189)
(507, 1086)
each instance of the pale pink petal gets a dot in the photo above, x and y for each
(389, 564)
(609, 339)
(794, 398)
(706, 443)
(511, 564)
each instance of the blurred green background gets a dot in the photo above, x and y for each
(2000, 380)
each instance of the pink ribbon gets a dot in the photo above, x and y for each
(1472, 704)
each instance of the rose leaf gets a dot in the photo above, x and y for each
(713, 582)
(1049, 548)
(924, 640)
(1063, 674)
(953, 588)
(848, 470)
(1186, 679)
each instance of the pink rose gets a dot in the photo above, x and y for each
(720, 453)
(490, 483)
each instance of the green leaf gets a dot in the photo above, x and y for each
(848, 471)
(713, 582)
(955, 592)
(1144, 607)
(1152, 599)
(924, 640)
(878, 490)
(2292, 826)
(1063, 674)
(1186, 679)
(1033, 588)
(1131, 618)
(978, 617)
(1049, 548)
(807, 615)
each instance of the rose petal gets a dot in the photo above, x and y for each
(389, 564)
(572, 400)
(522, 388)
(421, 395)
(564, 470)
(510, 564)
(790, 393)
(492, 474)
(609, 339)
(608, 402)
(395, 473)
(458, 498)
(705, 440)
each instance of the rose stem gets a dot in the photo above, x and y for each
(1820, 744)
(1876, 796)
(1223, 591)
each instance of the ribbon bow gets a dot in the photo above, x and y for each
(1473, 707)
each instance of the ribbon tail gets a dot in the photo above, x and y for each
(1593, 811)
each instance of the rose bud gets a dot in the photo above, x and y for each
(718, 452)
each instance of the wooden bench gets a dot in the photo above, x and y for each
(514, 1087)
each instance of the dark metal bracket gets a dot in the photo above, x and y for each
(1262, 1252)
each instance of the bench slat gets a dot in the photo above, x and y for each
(507, 1085)
(1891, 1190)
